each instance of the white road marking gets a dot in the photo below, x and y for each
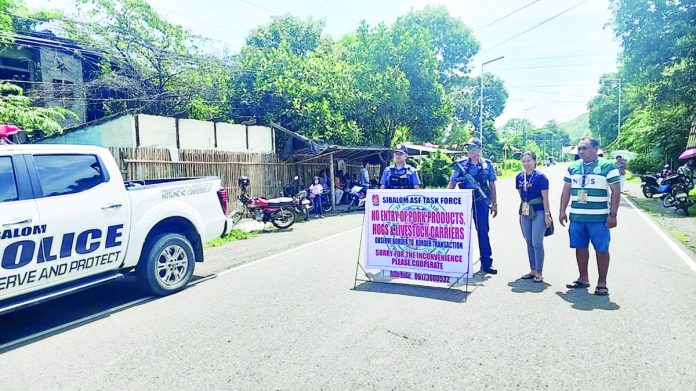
(286, 252)
(663, 235)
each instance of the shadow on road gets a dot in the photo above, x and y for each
(35, 323)
(582, 300)
(455, 295)
(527, 286)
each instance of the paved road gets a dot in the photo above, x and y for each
(295, 322)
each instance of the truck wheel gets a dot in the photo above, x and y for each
(167, 266)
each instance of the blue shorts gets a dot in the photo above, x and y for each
(581, 234)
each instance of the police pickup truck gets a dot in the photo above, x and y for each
(69, 222)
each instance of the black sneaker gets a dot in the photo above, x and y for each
(489, 270)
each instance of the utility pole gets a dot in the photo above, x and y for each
(618, 122)
(618, 126)
(524, 130)
(481, 97)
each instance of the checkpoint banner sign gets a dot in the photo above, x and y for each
(422, 235)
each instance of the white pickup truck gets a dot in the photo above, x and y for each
(69, 222)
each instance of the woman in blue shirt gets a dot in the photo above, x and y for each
(535, 213)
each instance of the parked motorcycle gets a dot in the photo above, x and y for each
(650, 185)
(301, 203)
(279, 211)
(356, 198)
(326, 205)
(676, 189)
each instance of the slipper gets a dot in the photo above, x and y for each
(538, 279)
(578, 285)
(527, 276)
(601, 291)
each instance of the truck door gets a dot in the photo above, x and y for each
(86, 214)
(20, 228)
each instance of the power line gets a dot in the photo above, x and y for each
(553, 85)
(547, 92)
(557, 66)
(554, 57)
(543, 22)
(201, 21)
(251, 3)
(546, 100)
(338, 6)
(506, 15)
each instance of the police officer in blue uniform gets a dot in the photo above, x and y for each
(397, 176)
(475, 172)
(400, 175)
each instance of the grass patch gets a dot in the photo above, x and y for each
(683, 238)
(680, 236)
(507, 174)
(630, 177)
(645, 203)
(235, 234)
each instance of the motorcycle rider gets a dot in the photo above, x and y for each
(477, 173)
(400, 175)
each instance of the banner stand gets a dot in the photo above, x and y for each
(468, 276)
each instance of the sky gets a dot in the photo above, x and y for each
(550, 72)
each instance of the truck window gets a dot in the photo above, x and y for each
(67, 174)
(8, 182)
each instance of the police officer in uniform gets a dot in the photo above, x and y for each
(397, 176)
(400, 175)
(477, 173)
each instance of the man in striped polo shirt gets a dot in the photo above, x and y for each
(593, 210)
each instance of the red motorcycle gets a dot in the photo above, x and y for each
(279, 211)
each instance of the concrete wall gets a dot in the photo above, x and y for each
(195, 134)
(57, 66)
(119, 132)
(157, 131)
(86, 136)
(231, 137)
(260, 139)
(161, 132)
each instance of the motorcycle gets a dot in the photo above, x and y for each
(650, 185)
(301, 203)
(356, 198)
(676, 189)
(326, 205)
(278, 211)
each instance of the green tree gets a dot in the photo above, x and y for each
(397, 79)
(301, 36)
(307, 90)
(468, 94)
(658, 38)
(453, 41)
(148, 65)
(604, 108)
(17, 109)
(435, 169)
(458, 135)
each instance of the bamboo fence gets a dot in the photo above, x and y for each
(266, 172)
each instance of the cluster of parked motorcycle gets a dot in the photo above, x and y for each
(673, 189)
(294, 203)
